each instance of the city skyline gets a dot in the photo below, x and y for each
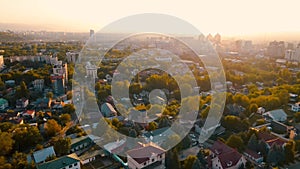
(266, 19)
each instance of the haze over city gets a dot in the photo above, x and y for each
(266, 20)
(149, 84)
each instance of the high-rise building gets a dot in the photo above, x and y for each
(217, 38)
(1, 61)
(293, 54)
(72, 57)
(59, 77)
(276, 49)
(91, 70)
(92, 32)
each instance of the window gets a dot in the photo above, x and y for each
(75, 164)
(70, 166)
(145, 163)
(152, 159)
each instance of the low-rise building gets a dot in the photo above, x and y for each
(22, 103)
(70, 161)
(225, 157)
(296, 107)
(108, 110)
(148, 156)
(277, 115)
(78, 145)
(3, 104)
(257, 157)
(40, 156)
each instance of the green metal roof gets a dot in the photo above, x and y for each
(61, 162)
(3, 101)
(80, 140)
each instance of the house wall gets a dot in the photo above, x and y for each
(133, 164)
(216, 164)
(88, 160)
(73, 166)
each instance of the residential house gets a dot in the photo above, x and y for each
(277, 115)
(254, 156)
(280, 128)
(29, 114)
(91, 155)
(108, 110)
(38, 84)
(261, 110)
(70, 161)
(78, 145)
(271, 139)
(3, 104)
(158, 136)
(148, 156)
(293, 97)
(225, 157)
(42, 103)
(40, 156)
(22, 103)
(296, 107)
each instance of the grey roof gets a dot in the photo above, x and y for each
(278, 114)
(41, 155)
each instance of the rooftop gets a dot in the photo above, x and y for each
(60, 162)
(144, 153)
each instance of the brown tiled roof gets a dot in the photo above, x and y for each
(219, 148)
(270, 139)
(252, 153)
(229, 159)
(227, 155)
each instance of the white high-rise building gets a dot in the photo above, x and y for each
(1, 61)
(293, 55)
(91, 70)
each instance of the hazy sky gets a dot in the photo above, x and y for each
(230, 17)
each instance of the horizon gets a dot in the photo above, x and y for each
(292, 36)
(229, 18)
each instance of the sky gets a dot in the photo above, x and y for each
(227, 17)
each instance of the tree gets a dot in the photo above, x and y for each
(201, 157)
(6, 143)
(4, 164)
(253, 142)
(289, 151)
(6, 126)
(2, 85)
(172, 160)
(234, 123)
(235, 141)
(189, 162)
(164, 122)
(276, 155)
(68, 109)
(135, 88)
(52, 128)
(65, 118)
(19, 161)
(152, 126)
(132, 133)
(22, 91)
(62, 146)
(297, 117)
(49, 95)
(253, 108)
(26, 136)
